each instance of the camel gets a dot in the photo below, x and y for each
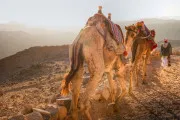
(96, 46)
(138, 42)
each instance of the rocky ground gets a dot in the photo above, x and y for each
(158, 100)
(41, 83)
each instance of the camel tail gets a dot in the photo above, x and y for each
(76, 60)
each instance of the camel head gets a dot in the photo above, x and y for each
(131, 32)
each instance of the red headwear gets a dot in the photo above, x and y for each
(153, 33)
(165, 40)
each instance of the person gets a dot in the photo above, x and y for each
(166, 51)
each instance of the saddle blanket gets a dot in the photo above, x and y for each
(116, 32)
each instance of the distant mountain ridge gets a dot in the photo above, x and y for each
(15, 37)
(164, 28)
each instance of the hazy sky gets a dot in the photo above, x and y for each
(74, 13)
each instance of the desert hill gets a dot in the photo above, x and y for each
(30, 58)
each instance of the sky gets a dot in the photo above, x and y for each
(74, 13)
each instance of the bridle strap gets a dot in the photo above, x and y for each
(129, 30)
(145, 37)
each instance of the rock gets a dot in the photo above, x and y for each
(4, 118)
(27, 109)
(51, 105)
(45, 114)
(85, 80)
(40, 111)
(46, 100)
(64, 102)
(52, 89)
(50, 113)
(34, 116)
(1, 93)
(168, 116)
(178, 116)
(53, 112)
(17, 117)
(54, 97)
(12, 96)
(62, 112)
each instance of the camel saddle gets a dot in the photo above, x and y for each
(114, 29)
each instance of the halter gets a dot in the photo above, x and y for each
(130, 30)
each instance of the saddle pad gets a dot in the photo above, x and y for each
(116, 32)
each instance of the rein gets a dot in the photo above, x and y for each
(145, 37)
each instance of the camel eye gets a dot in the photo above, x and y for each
(132, 35)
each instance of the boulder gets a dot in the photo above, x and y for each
(1, 93)
(17, 117)
(64, 102)
(50, 113)
(34, 116)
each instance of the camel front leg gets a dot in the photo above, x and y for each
(131, 79)
(111, 84)
(90, 90)
(121, 78)
(95, 64)
(137, 73)
(144, 69)
(132, 73)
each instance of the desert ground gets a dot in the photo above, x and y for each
(37, 85)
